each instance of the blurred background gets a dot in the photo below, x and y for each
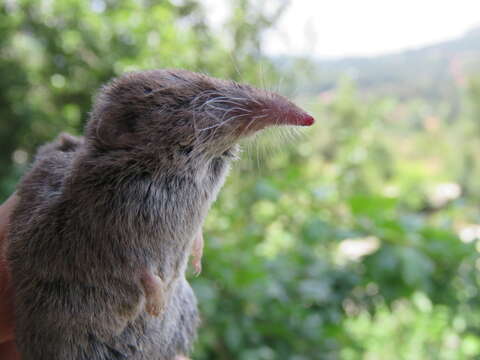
(358, 240)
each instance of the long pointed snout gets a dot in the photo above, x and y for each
(275, 110)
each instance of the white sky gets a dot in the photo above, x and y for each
(338, 28)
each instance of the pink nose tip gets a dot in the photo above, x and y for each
(306, 120)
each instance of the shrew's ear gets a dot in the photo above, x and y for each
(115, 126)
(115, 116)
(118, 109)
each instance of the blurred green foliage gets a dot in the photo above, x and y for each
(347, 246)
(357, 241)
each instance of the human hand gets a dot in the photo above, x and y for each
(7, 344)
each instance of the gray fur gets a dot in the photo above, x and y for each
(94, 213)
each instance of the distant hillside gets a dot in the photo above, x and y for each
(433, 72)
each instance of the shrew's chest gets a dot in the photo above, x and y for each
(174, 202)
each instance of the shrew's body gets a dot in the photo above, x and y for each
(100, 238)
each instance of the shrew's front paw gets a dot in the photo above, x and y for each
(154, 292)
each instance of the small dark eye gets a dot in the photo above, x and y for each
(186, 150)
(147, 90)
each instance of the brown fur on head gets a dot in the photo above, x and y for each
(181, 111)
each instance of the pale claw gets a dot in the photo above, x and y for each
(154, 293)
(197, 252)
